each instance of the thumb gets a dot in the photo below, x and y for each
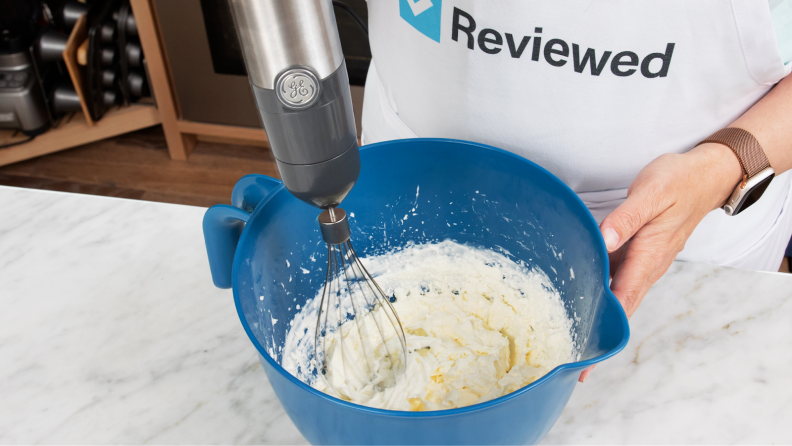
(618, 227)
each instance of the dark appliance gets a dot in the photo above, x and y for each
(22, 100)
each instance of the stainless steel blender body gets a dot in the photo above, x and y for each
(297, 72)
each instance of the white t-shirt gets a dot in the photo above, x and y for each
(781, 13)
(592, 91)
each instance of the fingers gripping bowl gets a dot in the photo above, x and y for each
(269, 249)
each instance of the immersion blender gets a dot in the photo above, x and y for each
(299, 79)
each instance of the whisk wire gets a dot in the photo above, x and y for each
(366, 358)
(383, 299)
(359, 316)
(379, 300)
(321, 326)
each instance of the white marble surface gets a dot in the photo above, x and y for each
(111, 332)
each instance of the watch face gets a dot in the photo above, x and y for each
(753, 195)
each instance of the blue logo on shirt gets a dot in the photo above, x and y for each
(423, 15)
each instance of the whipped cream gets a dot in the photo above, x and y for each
(477, 326)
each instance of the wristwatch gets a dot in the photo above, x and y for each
(757, 172)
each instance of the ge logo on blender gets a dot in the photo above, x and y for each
(297, 88)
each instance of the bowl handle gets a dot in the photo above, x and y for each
(223, 224)
(251, 190)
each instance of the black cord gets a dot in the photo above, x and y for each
(30, 138)
(352, 13)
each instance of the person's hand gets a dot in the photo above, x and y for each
(665, 203)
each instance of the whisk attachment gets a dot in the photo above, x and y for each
(359, 343)
(335, 226)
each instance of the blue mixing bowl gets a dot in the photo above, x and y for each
(267, 246)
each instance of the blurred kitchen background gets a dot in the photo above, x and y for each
(139, 99)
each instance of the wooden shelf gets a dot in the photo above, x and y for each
(224, 133)
(78, 128)
(75, 131)
(181, 134)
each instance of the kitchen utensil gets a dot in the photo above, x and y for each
(134, 54)
(137, 83)
(51, 45)
(298, 75)
(72, 12)
(108, 77)
(414, 191)
(65, 99)
(351, 294)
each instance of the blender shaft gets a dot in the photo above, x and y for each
(277, 34)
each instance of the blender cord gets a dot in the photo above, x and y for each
(352, 13)
(30, 138)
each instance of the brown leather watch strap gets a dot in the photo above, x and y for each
(752, 158)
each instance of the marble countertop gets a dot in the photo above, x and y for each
(112, 332)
